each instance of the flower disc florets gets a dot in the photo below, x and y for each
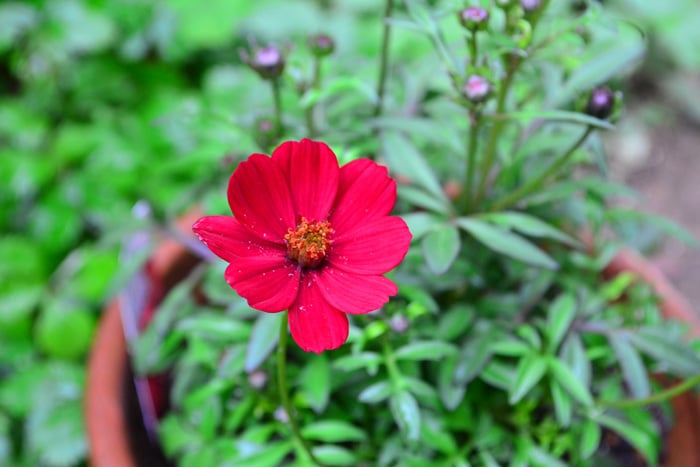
(308, 244)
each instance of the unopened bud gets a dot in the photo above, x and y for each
(399, 323)
(321, 45)
(257, 379)
(474, 18)
(476, 89)
(268, 62)
(601, 102)
(530, 6)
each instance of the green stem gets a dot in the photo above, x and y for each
(277, 96)
(468, 195)
(284, 391)
(497, 128)
(662, 396)
(537, 183)
(473, 49)
(390, 362)
(384, 63)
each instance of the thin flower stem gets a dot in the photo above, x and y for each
(284, 391)
(468, 195)
(277, 96)
(662, 396)
(473, 48)
(538, 181)
(496, 129)
(390, 362)
(311, 110)
(384, 63)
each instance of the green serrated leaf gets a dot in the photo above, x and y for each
(506, 243)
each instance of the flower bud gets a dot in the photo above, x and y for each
(474, 18)
(321, 45)
(601, 102)
(257, 379)
(476, 89)
(530, 6)
(399, 324)
(265, 132)
(268, 62)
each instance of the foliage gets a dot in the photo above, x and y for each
(502, 342)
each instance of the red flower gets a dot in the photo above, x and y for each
(310, 237)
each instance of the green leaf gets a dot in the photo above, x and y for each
(332, 431)
(560, 116)
(334, 455)
(376, 392)
(367, 360)
(64, 332)
(665, 225)
(667, 350)
(406, 413)
(263, 339)
(213, 325)
(531, 369)
(642, 441)
(271, 455)
(560, 315)
(633, 370)
(569, 381)
(340, 85)
(440, 248)
(425, 350)
(562, 403)
(474, 355)
(530, 225)
(55, 435)
(403, 158)
(316, 382)
(574, 355)
(417, 196)
(455, 321)
(506, 243)
(499, 374)
(589, 439)
(420, 223)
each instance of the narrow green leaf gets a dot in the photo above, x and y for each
(420, 223)
(334, 455)
(339, 85)
(560, 315)
(440, 248)
(367, 360)
(315, 381)
(640, 439)
(269, 456)
(332, 431)
(589, 439)
(376, 392)
(574, 355)
(530, 225)
(506, 243)
(403, 158)
(419, 197)
(406, 413)
(498, 374)
(560, 116)
(425, 350)
(531, 369)
(662, 223)
(568, 380)
(562, 403)
(263, 338)
(633, 370)
(667, 350)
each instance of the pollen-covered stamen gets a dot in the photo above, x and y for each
(309, 242)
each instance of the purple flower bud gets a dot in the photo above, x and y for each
(601, 102)
(399, 324)
(476, 89)
(321, 45)
(257, 379)
(268, 62)
(530, 6)
(474, 18)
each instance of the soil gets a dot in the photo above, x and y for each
(663, 164)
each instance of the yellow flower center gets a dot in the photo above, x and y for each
(309, 242)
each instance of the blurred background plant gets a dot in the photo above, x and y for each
(105, 103)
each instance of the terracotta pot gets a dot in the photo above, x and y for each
(107, 427)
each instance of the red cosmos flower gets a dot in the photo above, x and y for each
(310, 237)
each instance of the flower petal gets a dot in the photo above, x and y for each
(371, 249)
(365, 192)
(352, 293)
(259, 198)
(228, 239)
(268, 283)
(315, 325)
(311, 169)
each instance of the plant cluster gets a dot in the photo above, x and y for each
(505, 343)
